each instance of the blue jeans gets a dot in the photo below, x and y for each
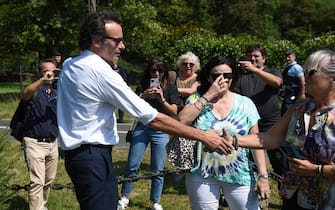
(141, 138)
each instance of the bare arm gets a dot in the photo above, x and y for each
(29, 91)
(211, 139)
(268, 78)
(270, 139)
(188, 91)
(262, 184)
(190, 112)
(302, 88)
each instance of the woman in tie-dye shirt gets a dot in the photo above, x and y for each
(214, 106)
(307, 134)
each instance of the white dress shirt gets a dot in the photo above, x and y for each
(89, 91)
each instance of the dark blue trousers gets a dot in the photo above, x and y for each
(91, 170)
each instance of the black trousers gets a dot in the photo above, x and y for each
(92, 173)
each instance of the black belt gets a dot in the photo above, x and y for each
(46, 140)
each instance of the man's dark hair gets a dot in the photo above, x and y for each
(47, 60)
(257, 47)
(94, 26)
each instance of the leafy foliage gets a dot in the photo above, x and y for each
(32, 29)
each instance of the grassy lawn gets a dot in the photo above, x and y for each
(174, 194)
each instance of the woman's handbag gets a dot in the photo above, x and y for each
(130, 132)
(181, 152)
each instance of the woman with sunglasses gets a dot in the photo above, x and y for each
(188, 64)
(214, 106)
(307, 132)
(163, 96)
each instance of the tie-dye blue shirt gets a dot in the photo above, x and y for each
(234, 168)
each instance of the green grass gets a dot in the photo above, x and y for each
(174, 193)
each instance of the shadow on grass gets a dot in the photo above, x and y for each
(18, 203)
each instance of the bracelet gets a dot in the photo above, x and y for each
(194, 104)
(203, 105)
(264, 176)
(163, 101)
(319, 170)
(235, 142)
(206, 99)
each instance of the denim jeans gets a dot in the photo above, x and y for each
(141, 138)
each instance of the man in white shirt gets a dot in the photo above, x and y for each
(89, 91)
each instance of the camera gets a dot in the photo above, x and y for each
(241, 68)
(56, 75)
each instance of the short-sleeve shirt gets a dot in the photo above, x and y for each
(89, 91)
(234, 168)
(42, 119)
(265, 97)
(170, 94)
(318, 146)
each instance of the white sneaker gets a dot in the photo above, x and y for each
(123, 203)
(156, 206)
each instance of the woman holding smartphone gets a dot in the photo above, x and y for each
(162, 95)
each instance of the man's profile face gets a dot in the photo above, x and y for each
(110, 49)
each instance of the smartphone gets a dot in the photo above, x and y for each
(292, 151)
(154, 82)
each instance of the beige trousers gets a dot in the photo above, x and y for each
(41, 159)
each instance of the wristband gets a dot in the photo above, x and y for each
(163, 101)
(235, 142)
(264, 176)
(319, 170)
(206, 99)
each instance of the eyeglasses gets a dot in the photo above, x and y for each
(186, 64)
(155, 70)
(225, 75)
(310, 73)
(116, 40)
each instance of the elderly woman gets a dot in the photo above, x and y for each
(188, 64)
(307, 132)
(214, 106)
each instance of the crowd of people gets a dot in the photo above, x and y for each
(231, 108)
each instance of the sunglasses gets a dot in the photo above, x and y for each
(225, 75)
(116, 40)
(186, 64)
(311, 72)
(155, 70)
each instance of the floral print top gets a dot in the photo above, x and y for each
(318, 146)
(234, 168)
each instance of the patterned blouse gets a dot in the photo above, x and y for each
(234, 168)
(318, 146)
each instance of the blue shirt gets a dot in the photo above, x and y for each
(42, 118)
